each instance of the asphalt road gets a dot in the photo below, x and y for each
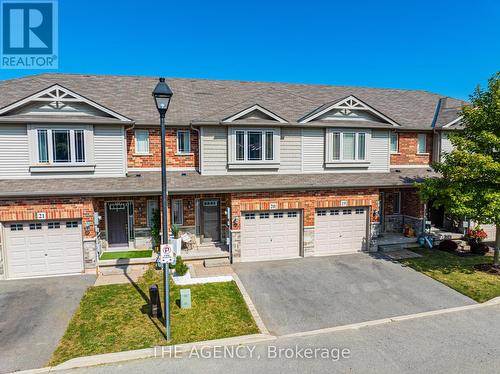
(34, 314)
(459, 342)
(319, 292)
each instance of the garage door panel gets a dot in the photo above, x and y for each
(270, 235)
(340, 230)
(37, 249)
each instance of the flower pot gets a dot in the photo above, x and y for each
(176, 246)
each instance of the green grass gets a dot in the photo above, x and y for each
(115, 318)
(458, 273)
(125, 254)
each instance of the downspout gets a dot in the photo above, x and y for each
(199, 147)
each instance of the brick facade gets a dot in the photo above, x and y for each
(153, 159)
(308, 201)
(408, 147)
(411, 210)
(54, 208)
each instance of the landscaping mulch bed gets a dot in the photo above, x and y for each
(488, 269)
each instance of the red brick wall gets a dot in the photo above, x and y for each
(55, 209)
(306, 200)
(408, 146)
(140, 209)
(411, 205)
(153, 160)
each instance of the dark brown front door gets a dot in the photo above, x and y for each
(211, 220)
(117, 215)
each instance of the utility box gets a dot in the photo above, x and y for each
(185, 298)
(154, 297)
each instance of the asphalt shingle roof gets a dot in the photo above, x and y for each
(149, 182)
(213, 100)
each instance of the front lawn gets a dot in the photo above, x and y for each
(115, 318)
(126, 254)
(457, 272)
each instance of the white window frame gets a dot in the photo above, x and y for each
(51, 166)
(149, 212)
(188, 152)
(136, 149)
(181, 221)
(426, 151)
(263, 162)
(341, 162)
(396, 135)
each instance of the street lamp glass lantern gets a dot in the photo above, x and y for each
(162, 95)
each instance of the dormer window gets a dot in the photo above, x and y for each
(254, 147)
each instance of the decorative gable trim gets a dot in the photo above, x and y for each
(346, 105)
(454, 122)
(255, 107)
(58, 96)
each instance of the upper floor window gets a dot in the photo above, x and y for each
(142, 142)
(394, 142)
(61, 146)
(422, 143)
(183, 141)
(254, 145)
(348, 146)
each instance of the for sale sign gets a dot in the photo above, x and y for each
(167, 254)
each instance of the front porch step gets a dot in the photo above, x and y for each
(216, 262)
(397, 247)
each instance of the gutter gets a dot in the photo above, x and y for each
(200, 153)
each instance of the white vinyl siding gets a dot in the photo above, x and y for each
(109, 150)
(291, 150)
(214, 146)
(14, 152)
(379, 151)
(313, 150)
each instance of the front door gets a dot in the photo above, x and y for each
(117, 216)
(211, 220)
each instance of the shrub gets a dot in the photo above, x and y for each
(155, 228)
(479, 249)
(176, 231)
(448, 246)
(180, 267)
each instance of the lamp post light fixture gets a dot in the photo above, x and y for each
(162, 95)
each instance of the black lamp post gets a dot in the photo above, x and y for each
(162, 95)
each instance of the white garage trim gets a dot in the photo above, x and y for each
(341, 230)
(271, 235)
(42, 248)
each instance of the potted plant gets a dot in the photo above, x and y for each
(475, 237)
(176, 241)
(181, 270)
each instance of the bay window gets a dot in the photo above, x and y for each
(346, 147)
(254, 146)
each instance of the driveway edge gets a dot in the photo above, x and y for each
(251, 307)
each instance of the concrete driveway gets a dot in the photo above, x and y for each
(319, 292)
(34, 314)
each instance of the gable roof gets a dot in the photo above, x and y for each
(266, 114)
(348, 103)
(60, 95)
(213, 100)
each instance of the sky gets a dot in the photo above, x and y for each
(447, 47)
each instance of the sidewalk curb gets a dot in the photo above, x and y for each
(356, 326)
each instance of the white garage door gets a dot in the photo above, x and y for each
(270, 235)
(43, 248)
(340, 230)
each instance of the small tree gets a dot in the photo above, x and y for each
(469, 185)
(155, 228)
